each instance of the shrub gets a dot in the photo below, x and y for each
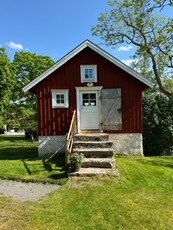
(157, 125)
(30, 133)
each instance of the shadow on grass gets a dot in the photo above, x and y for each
(26, 167)
(59, 162)
(47, 165)
(158, 161)
(17, 149)
(19, 153)
(13, 138)
(59, 176)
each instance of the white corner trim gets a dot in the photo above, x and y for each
(74, 52)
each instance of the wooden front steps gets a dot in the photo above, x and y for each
(99, 157)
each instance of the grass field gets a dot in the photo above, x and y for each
(142, 198)
(19, 161)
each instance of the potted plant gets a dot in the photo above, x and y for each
(76, 161)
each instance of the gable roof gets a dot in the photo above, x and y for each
(78, 49)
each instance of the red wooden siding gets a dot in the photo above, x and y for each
(57, 121)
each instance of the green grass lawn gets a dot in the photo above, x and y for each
(142, 198)
(19, 161)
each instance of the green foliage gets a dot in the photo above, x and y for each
(77, 158)
(141, 23)
(18, 109)
(27, 66)
(6, 81)
(157, 125)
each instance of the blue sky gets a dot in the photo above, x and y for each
(52, 27)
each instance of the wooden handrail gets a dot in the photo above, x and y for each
(70, 137)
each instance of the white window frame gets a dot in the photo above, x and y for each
(82, 71)
(56, 92)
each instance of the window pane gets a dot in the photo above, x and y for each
(86, 73)
(93, 102)
(85, 103)
(60, 99)
(92, 96)
(85, 96)
(89, 73)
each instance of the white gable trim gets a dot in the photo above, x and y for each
(77, 50)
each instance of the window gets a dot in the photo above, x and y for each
(60, 98)
(89, 99)
(88, 73)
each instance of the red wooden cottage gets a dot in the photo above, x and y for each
(106, 93)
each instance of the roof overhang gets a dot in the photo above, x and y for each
(77, 50)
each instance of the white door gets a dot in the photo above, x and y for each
(89, 110)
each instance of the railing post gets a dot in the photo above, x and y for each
(70, 136)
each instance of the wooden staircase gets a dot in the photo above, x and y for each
(99, 157)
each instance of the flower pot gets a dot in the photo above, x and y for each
(77, 167)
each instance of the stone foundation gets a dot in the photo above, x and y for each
(127, 144)
(50, 145)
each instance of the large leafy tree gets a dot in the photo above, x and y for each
(142, 24)
(27, 66)
(6, 83)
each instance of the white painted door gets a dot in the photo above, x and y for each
(89, 110)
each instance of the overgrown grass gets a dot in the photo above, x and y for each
(140, 199)
(19, 161)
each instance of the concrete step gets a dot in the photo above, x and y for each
(92, 144)
(100, 172)
(92, 137)
(95, 152)
(98, 153)
(98, 162)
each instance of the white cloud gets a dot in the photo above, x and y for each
(125, 48)
(15, 46)
(129, 61)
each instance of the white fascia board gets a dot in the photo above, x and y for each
(75, 51)
(120, 64)
(55, 66)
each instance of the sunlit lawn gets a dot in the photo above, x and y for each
(19, 160)
(140, 199)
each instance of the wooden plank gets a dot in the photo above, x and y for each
(111, 109)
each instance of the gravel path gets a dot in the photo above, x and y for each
(26, 191)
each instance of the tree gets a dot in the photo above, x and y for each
(141, 23)
(157, 125)
(6, 79)
(6, 83)
(27, 66)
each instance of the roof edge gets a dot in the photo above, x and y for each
(75, 51)
(58, 64)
